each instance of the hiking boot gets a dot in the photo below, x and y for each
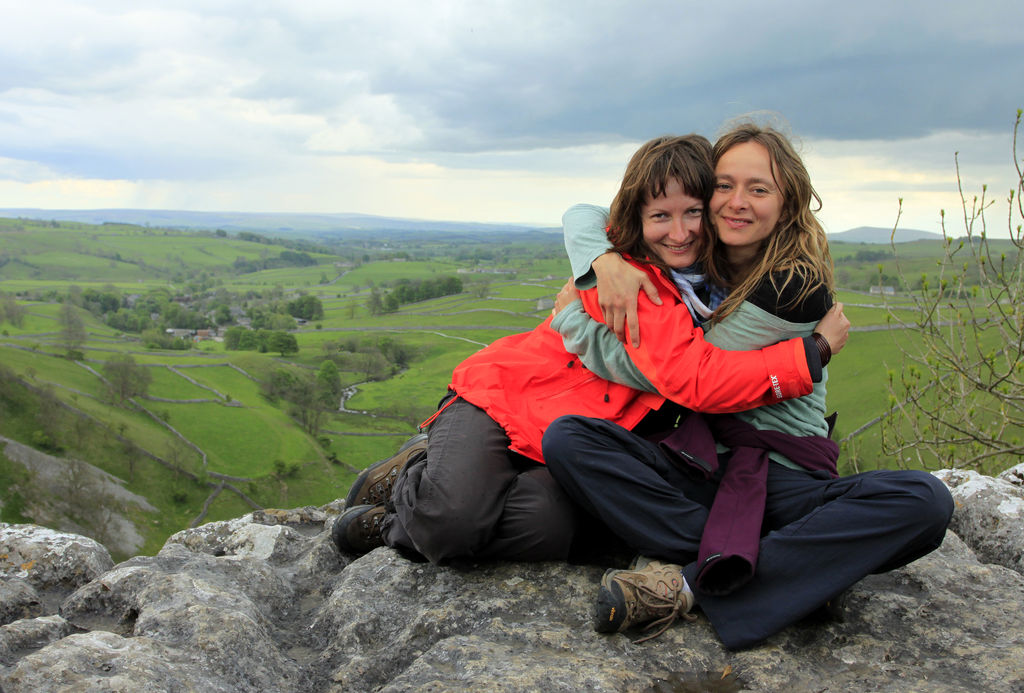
(652, 591)
(374, 484)
(358, 529)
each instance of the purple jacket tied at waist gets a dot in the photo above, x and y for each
(732, 534)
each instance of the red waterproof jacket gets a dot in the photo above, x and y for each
(526, 381)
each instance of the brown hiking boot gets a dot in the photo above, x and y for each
(374, 484)
(358, 529)
(652, 591)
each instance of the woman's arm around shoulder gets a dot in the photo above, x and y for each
(583, 229)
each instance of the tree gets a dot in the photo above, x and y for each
(373, 365)
(125, 378)
(280, 321)
(278, 385)
(308, 394)
(306, 406)
(222, 314)
(132, 452)
(957, 399)
(282, 342)
(328, 386)
(481, 288)
(181, 457)
(375, 304)
(395, 351)
(72, 330)
(10, 310)
(307, 307)
(50, 418)
(233, 337)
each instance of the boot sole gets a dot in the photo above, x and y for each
(610, 609)
(339, 533)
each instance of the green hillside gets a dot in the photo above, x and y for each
(220, 431)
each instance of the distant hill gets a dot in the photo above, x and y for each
(277, 224)
(355, 226)
(874, 234)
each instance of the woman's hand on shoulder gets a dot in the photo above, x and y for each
(618, 287)
(834, 327)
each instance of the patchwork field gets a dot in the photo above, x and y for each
(207, 441)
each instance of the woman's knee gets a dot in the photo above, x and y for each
(538, 522)
(928, 501)
(935, 499)
(443, 535)
(448, 520)
(559, 441)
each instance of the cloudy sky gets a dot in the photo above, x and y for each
(493, 110)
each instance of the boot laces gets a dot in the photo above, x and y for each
(670, 607)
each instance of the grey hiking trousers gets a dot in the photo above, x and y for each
(471, 497)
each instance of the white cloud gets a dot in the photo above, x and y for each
(498, 111)
(862, 182)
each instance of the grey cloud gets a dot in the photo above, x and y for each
(831, 76)
(518, 76)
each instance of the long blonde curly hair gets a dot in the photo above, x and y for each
(797, 247)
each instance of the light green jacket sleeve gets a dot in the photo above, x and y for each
(598, 347)
(583, 228)
(750, 327)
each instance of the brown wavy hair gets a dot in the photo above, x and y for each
(686, 158)
(797, 247)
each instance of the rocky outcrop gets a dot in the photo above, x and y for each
(78, 497)
(989, 514)
(266, 603)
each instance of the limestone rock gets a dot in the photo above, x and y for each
(1014, 475)
(989, 515)
(29, 634)
(18, 600)
(52, 563)
(103, 661)
(266, 603)
(46, 558)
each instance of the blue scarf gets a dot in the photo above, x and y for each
(689, 281)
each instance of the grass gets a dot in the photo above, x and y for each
(254, 440)
(45, 369)
(168, 384)
(227, 381)
(241, 441)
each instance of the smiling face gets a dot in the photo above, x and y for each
(672, 225)
(747, 201)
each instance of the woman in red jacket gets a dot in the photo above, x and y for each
(476, 485)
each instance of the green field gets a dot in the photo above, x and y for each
(212, 400)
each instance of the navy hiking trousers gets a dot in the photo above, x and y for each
(819, 535)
